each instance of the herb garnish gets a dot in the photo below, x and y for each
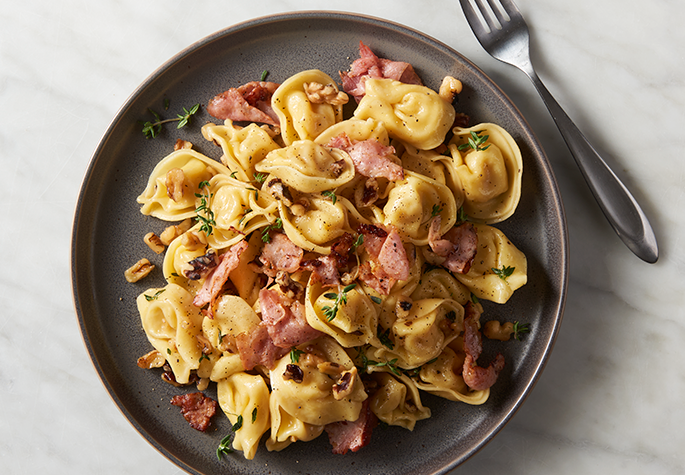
(259, 177)
(384, 337)
(341, 298)
(204, 214)
(278, 224)
(225, 445)
(150, 298)
(504, 272)
(519, 329)
(436, 211)
(151, 129)
(330, 194)
(295, 355)
(254, 415)
(265, 73)
(475, 142)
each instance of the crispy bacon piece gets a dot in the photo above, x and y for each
(256, 348)
(370, 157)
(250, 102)
(371, 66)
(285, 321)
(345, 436)
(390, 260)
(196, 408)
(458, 246)
(211, 288)
(280, 254)
(477, 377)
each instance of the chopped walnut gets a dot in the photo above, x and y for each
(174, 231)
(201, 266)
(202, 384)
(449, 88)
(317, 93)
(495, 330)
(175, 184)
(300, 208)
(182, 144)
(192, 240)
(403, 307)
(138, 270)
(204, 344)
(345, 384)
(294, 373)
(280, 192)
(331, 369)
(288, 287)
(153, 359)
(154, 242)
(368, 194)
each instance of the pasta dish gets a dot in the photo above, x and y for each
(329, 269)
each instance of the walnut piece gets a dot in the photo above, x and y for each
(175, 184)
(317, 93)
(182, 144)
(153, 359)
(138, 270)
(174, 231)
(345, 384)
(495, 330)
(154, 242)
(449, 88)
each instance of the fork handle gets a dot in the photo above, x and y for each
(617, 203)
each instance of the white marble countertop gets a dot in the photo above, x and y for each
(611, 397)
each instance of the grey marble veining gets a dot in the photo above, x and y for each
(611, 397)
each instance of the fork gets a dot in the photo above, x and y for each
(503, 33)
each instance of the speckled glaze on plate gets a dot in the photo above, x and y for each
(108, 230)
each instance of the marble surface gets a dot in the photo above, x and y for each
(611, 397)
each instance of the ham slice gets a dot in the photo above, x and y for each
(458, 246)
(280, 254)
(285, 321)
(250, 102)
(256, 348)
(211, 288)
(371, 66)
(390, 262)
(370, 157)
(477, 377)
(345, 436)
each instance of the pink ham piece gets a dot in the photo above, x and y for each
(285, 322)
(477, 377)
(324, 270)
(250, 102)
(256, 348)
(371, 66)
(211, 288)
(370, 157)
(390, 260)
(345, 436)
(458, 246)
(280, 254)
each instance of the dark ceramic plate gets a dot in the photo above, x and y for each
(108, 230)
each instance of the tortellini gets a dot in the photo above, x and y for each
(301, 119)
(490, 174)
(242, 147)
(411, 113)
(172, 325)
(157, 198)
(498, 269)
(413, 202)
(309, 167)
(312, 401)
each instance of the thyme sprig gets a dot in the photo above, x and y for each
(520, 329)
(152, 129)
(150, 298)
(330, 194)
(504, 272)
(330, 312)
(278, 224)
(204, 214)
(475, 142)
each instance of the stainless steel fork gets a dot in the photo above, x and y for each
(503, 33)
